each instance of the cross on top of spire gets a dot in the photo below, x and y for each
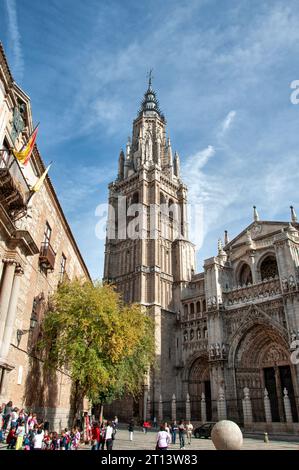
(150, 77)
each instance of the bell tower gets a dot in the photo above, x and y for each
(147, 254)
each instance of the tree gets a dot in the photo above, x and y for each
(106, 346)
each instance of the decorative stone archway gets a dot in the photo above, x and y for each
(262, 360)
(198, 383)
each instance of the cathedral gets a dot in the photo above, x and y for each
(226, 338)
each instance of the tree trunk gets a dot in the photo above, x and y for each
(77, 403)
(101, 413)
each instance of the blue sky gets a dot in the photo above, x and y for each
(222, 74)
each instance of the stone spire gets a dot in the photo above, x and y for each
(128, 149)
(226, 238)
(177, 165)
(221, 251)
(121, 161)
(256, 216)
(293, 214)
(169, 152)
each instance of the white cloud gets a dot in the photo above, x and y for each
(227, 122)
(15, 37)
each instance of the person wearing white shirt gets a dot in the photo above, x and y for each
(163, 439)
(38, 440)
(109, 436)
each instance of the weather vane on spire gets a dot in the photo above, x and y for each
(150, 77)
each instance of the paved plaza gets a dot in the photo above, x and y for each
(148, 442)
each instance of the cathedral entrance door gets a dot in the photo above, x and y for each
(276, 379)
(270, 385)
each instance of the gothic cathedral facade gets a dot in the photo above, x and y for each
(229, 332)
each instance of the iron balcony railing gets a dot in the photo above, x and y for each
(14, 189)
(47, 256)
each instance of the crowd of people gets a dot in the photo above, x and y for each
(23, 431)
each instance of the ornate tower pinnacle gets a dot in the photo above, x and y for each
(256, 216)
(293, 214)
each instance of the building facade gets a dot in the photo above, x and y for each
(37, 251)
(225, 335)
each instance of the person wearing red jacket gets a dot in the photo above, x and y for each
(95, 436)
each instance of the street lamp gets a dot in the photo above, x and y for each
(20, 333)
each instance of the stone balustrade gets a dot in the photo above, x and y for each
(252, 292)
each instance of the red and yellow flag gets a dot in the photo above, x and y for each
(25, 153)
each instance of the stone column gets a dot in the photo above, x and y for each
(203, 406)
(11, 314)
(173, 408)
(221, 405)
(247, 408)
(287, 406)
(188, 408)
(145, 400)
(160, 410)
(268, 414)
(148, 408)
(8, 276)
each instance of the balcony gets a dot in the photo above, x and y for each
(14, 189)
(47, 257)
(252, 293)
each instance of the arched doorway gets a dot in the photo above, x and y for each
(262, 360)
(198, 383)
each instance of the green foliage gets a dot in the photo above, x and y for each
(106, 346)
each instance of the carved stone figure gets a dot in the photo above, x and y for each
(292, 283)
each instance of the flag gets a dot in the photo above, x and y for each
(40, 181)
(25, 153)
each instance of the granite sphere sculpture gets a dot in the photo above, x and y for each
(226, 435)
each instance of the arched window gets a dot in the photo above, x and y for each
(170, 210)
(205, 332)
(191, 335)
(192, 308)
(245, 275)
(204, 308)
(269, 267)
(198, 334)
(186, 310)
(198, 309)
(185, 336)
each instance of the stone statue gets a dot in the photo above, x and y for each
(218, 350)
(292, 283)
(212, 353)
(284, 283)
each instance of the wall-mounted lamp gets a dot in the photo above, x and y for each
(20, 333)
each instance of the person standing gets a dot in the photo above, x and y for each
(182, 431)
(189, 429)
(38, 439)
(174, 430)
(95, 436)
(109, 435)
(20, 433)
(163, 439)
(131, 430)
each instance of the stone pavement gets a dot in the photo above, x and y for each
(148, 442)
